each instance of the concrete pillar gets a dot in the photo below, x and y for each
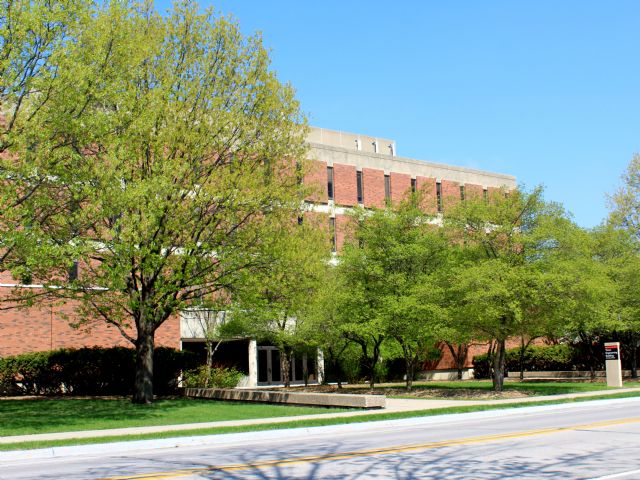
(320, 365)
(612, 363)
(253, 363)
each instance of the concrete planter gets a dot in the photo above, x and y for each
(290, 398)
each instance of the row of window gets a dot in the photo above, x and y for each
(387, 188)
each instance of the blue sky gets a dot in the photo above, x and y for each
(544, 90)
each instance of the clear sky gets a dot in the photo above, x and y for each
(546, 90)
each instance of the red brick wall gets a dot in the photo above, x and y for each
(400, 186)
(344, 229)
(37, 329)
(492, 191)
(316, 179)
(373, 187)
(450, 193)
(345, 187)
(427, 186)
(473, 191)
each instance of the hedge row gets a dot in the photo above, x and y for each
(88, 371)
(537, 359)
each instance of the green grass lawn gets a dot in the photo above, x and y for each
(21, 417)
(301, 423)
(532, 388)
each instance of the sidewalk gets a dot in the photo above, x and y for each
(393, 405)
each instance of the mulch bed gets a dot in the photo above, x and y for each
(416, 392)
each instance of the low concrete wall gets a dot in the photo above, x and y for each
(467, 374)
(291, 398)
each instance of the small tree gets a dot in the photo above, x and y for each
(391, 291)
(271, 302)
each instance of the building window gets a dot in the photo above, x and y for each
(439, 196)
(485, 194)
(359, 187)
(387, 187)
(462, 192)
(330, 182)
(332, 232)
(73, 272)
(414, 185)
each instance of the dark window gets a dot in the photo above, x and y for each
(387, 187)
(461, 192)
(26, 278)
(485, 194)
(330, 182)
(332, 232)
(439, 196)
(73, 272)
(359, 187)
(414, 185)
(299, 177)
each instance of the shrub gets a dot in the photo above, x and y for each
(88, 371)
(537, 358)
(217, 377)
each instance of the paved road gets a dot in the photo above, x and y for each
(598, 439)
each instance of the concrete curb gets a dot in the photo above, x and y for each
(303, 432)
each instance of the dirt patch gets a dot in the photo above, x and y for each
(418, 392)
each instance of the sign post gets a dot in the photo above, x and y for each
(612, 361)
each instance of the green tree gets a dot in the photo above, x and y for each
(184, 146)
(623, 253)
(390, 284)
(271, 303)
(323, 323)
(503, 285)
(619, 252)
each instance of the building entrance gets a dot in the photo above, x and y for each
(269, 372)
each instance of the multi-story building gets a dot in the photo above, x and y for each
(346, 170)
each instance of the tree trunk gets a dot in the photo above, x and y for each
(634, 355)
(459, 355)
(522, 350)
(143, 387)
(374, 362)
(498, 366)
(207, 378)
(285, 366)
(409, 373)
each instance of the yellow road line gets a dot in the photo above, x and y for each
(371, 452)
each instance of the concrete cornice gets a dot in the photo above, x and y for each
(332, 154)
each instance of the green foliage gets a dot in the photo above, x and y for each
(214, 377)
(560, 357)
(525, 270)
(173, 136)
(87, 371)
(390, 283)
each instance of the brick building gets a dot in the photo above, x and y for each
(347, 170)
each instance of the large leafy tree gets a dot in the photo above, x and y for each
(185, 155)
(622, 251)
(505, 285)
(391, 286)
(619, 253)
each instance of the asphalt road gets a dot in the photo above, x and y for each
(590, 440)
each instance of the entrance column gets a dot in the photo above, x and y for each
(320, 366)
(253, 363)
